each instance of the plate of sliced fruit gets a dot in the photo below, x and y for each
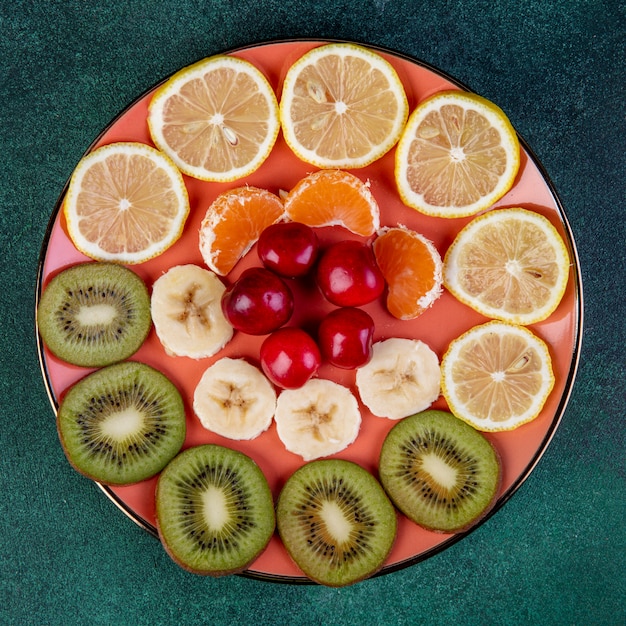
(308, 311)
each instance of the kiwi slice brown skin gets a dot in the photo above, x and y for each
(462, 482)
(121, 424)
(336, 522)
(94, 314)
(214, 510)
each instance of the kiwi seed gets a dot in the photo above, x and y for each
(336, 522)
(94, 314)
(122, 424)
(214, 510)
(439, 471)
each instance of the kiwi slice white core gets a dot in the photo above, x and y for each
(122, 424)
(215, 511)
(336, 521)
(439, 471)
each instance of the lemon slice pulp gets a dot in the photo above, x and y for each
(126, 203)
(508, 264)
(497, 376)
(217, 119)
(458, 155)
(342, 106)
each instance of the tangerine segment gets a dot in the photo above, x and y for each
(126, 203)
(509, 264)
(233, 223)
(497, 376)
(342, 105)
(217, 119)
(334, 197)
(412, 268)
(458, 155)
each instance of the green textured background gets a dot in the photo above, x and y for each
(555, 553)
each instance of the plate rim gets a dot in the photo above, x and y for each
(577, 330)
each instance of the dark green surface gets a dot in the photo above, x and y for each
(555, 553)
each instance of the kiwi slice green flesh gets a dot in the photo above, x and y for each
(214, 510)
(122, 424)
(336, 521)
(439, 471)
(94, 314)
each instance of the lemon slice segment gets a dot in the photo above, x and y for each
(508, 264)
(497, 376)
(217, 119)
(457, 156)
(126, 203)
(342, 106)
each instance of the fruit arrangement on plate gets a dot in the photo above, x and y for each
(225, 358)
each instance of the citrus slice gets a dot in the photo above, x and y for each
(412, 269)
(217, 119)
(509, 264)
(334, 197)
(342, 105)
(497, 376)
(233, 223)
(126, 203)
(458, 155)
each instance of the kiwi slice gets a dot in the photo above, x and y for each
(122, 424)
(439, 471)
(214, 510)
(336, 521)
(94, 314)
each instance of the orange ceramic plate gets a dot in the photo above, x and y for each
(520, 449)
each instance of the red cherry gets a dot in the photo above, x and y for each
(258, 302)
(288, 248)
(345, 337)
(348, 275)
(290, 357)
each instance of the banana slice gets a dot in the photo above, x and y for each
(402, 378)
(187, 313)
(234, 399)
(318, 419)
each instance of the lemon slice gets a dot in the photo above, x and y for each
(217, 119)
(509, 264)
(342, 106)
(458, 155)
(497, 376)
(126, 203)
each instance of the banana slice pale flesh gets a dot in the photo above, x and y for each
(187, 314)
(234, 399)
(403, 377)
(318, 419)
